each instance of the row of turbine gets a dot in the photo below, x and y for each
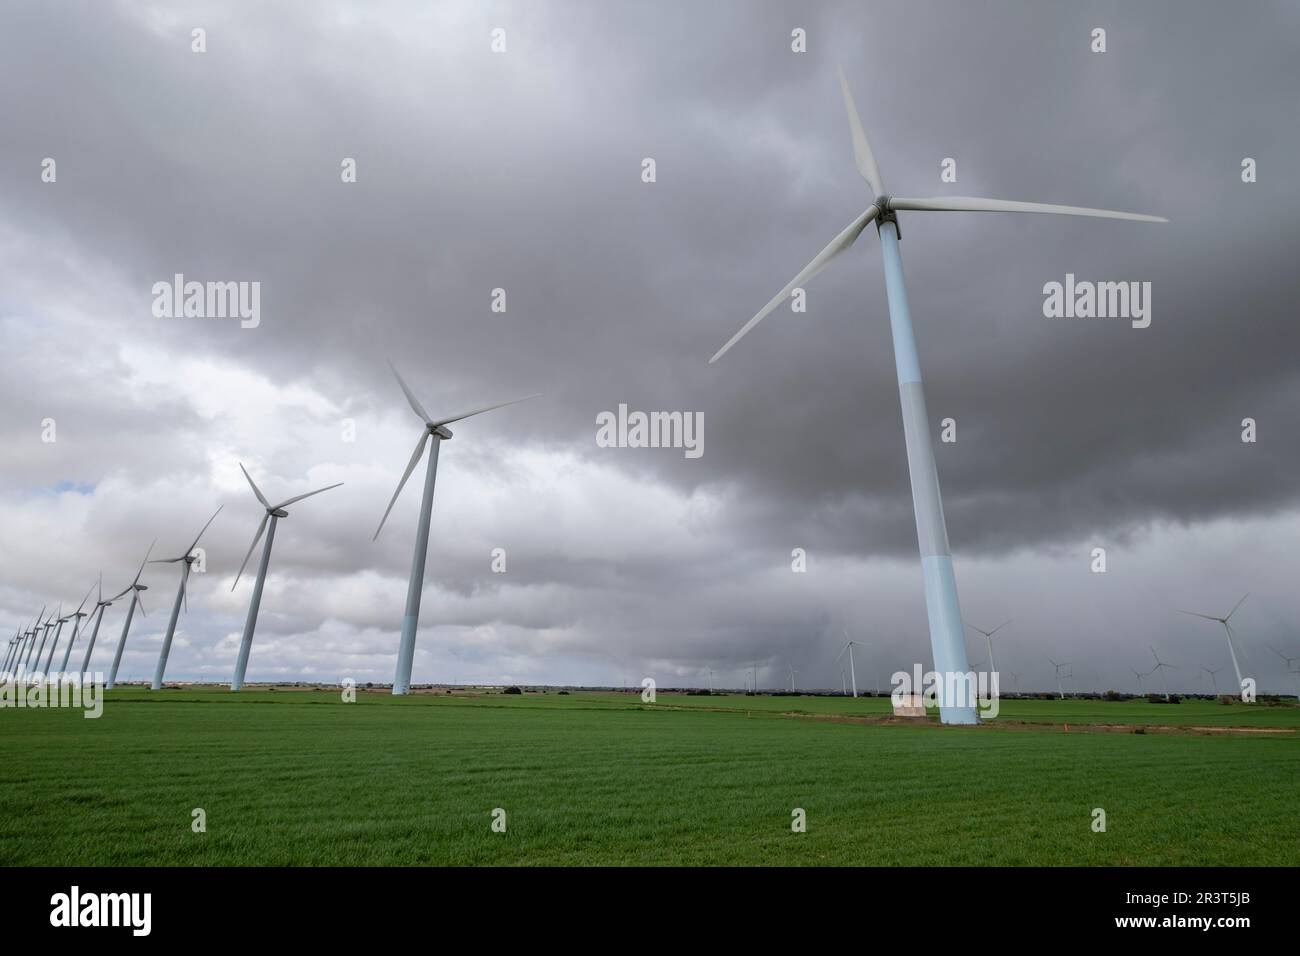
(23, 647)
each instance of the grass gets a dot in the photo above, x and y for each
(302, 778)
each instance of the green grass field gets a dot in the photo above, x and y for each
(295, 777)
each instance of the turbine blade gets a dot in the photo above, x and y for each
(410, 467)
(837, 245)
(256, 490)
(1001, 626)
(977, 204)
(485, 408)
(120, 593)
(140, 604)
(289, 501)
(862, 154)
(166, 560)
(256, 538)
(843, 650)
(1235, 606)
(410, 396)
(142, 563)
(195, 544)
(101, 586)
(1206, 616)
(85, 599)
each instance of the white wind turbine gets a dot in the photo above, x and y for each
(435, 432)
(77, 615)
(188, 559)
(135, 587)
(1059, 689)
(98, 614)
(848, 646)
(988, 637)
(1229, 633)
(1015, 682)
(942, 607)
(1160, 666)
(25, 650)
(273, 514)
(1214, 683)
(1139, 675)
(793, 674)
(1288, 661)
(55, 621)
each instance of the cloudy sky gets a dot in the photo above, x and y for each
(522, 170)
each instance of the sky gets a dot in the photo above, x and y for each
(523, 170)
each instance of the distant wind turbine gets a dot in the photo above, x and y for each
(26, 650)
(1058, 667)
(188, 559)
(273, 514)
(848, 646)
(438, 432)
(1229, 632)
(1160, 666)
(98, 614)
(942, 607)
(1288, 661)
(1213, 682)
(55, 621)
(1139, 675)
(135, 587)
(988, 637)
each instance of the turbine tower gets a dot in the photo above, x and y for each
(135, 587)
(273, 514)
(1229, 633)
(988, 637)
(77, 615)
(25, 650)
(438, 432)
(1160, 666)
(1058, 667)
(942, 607)
(188, 559)
(98, 614)
(49, 657)
(848, 646)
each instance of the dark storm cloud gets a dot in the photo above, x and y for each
(522, 171)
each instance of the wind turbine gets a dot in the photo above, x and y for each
(77, 615)
(1288, 661)
(988, 637)
(1160, 666)
(942, 607)
(1213, 681)
(1229, 632)
(188, 559)
(135, 587)
(56, 618)
(848, 646)
(30, 642)
(1015, 681)
(98, 614)
(793, 674)
(438, 432)
(12, 651)
(273, 514)
(1058, 667)
(1139, 675)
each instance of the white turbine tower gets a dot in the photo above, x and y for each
(273, 514)
(1229, 633)
(848, 646)
(941, 603)
(1015, 682)
(438, 432)
(188, 559)
(793, 674)
(98, 614)
(1160, 666)
(135, 587)
(77, 615)
(988, 637)
(1059, 689)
